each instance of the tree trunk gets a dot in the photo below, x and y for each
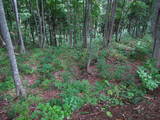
(43, 42)
(41, 37)
(86, 25)
(156, 33)
(22, 47)
(109, 24)
(20, 91)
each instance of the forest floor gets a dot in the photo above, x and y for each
(148, 109)
(46, 72)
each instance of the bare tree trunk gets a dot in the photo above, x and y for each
(20, 91)
(43, 26)
(22, 47)
(156, 33)
(40, 24)
(109, 24)
(86, 32)
(71, 38)
(87, 13)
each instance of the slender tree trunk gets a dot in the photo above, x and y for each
(54, 38)
(20, 91)
(40, 24)
(109, 24)
(86, 32)
(22, 47)
(120, 25)
(86, 25)
(156, 33)
(43, 25)
(71, 38)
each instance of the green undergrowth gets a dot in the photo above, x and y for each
(149, 75)
(116, 87)
(73, 95)
(6, 81)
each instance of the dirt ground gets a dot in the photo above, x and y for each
(146, 110)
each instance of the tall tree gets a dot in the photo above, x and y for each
(109, 21)
(22, 47)
(86, 25)
(20, 91)
(156, 32)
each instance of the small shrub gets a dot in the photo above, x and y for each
(7, 84)
(67, 76)
(47, 83)
(103, 68)
(147, 79)
(46, 68)
(141, 51)
(47, 112)
(21, 109)
(25, 69)
(149, 75)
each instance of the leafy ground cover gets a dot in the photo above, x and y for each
(122, 84)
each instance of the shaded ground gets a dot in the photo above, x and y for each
(146, 110)
(149, 109)
(3, 112)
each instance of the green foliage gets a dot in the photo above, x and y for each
(50, 63)
(47, 112)
(25, 69)
(67, 76)
(76, 93)
(72, 103)
(102, 66)
(6, 81)
(76, 87)
(64, 20)
(47, 83)
(109, 114)
(81, 55)
(138, 16)
(46, 68)
(111, 72)
(7, 84)
(73, 96)
(21, 109)
(149, 75)
(147, 80)
(119, 72)
(125, 92)
(141, 51)
(138, 9)
(132, 92)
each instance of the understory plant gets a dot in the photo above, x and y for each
(48, 112)
(149, 75)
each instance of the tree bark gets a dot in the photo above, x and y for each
(41, 37)
(20, 91)
(156, 33)
(86, 25)
(22, 47)
(109, 23)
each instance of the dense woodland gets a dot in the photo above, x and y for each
(79, 59)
